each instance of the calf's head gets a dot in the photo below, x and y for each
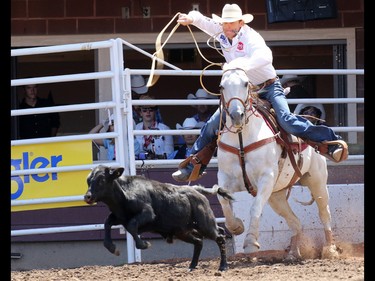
(99, 181)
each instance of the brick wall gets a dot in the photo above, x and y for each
(64, 17)
(58, 17)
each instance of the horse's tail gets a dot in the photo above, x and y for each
(308, 203)
(214, 191)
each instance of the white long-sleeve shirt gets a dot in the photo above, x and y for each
(248, 49)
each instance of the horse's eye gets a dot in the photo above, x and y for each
(246, 84)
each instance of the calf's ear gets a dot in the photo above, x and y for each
(114, 173)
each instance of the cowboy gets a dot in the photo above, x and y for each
(245, 48)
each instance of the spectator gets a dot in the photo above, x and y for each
(313, 112)
(138, 86)
(37, 125)
(109, 144)
(139, 89)
(296, 89)
(204, 111)
(189, 139)
(152, 145)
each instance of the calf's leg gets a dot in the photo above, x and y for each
(108, 243)
(192, 238)
(209, 229)
(145, 217)
(220, 241)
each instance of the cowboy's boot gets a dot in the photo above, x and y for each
(192, 168)
(336, 150)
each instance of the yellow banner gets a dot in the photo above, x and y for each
(49, 185)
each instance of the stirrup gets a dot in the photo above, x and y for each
(342, 144)
(195, 173)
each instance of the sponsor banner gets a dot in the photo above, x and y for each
(50, 185)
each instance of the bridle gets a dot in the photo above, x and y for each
(247, 103)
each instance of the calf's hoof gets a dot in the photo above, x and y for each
(142, 245)
(223, 267)
(112, 249)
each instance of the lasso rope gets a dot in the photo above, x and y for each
(160, 55)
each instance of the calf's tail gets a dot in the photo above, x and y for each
(214, 191)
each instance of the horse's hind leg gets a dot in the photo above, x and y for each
(319, 191)
(278, 202)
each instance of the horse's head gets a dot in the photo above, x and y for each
(234, 90)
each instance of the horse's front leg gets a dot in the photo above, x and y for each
(234, 225)
(264, 190)
(251, 244)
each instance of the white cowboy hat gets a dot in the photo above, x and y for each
(291, 77)
(189, 124)
(319, 106)
(232, 13)
(200, 95)
(138, 84)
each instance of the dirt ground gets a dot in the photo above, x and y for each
(268, 266)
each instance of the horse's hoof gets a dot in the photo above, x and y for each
(293, 256)
(330, 252)
(250, 248)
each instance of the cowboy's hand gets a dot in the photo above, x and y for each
(184, 19)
